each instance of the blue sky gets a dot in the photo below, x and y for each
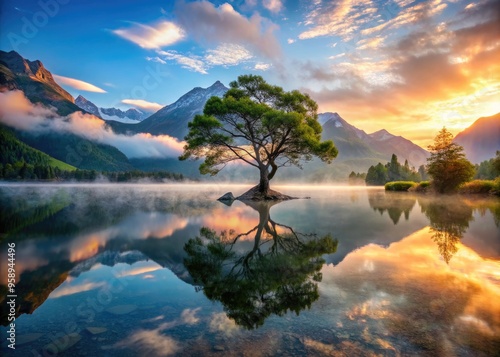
(379, 64)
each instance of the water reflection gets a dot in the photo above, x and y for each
(278, 273)
(395, 204)
(448, 223)
(402, 298)
(388, 289)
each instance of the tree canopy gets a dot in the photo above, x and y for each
(259, 124)
(447, 164)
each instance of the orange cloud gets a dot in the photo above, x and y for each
(140, 103)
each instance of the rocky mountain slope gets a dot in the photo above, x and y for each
(173, 119)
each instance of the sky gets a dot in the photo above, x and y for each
(410, 67)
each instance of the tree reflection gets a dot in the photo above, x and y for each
(395, 204)
(449, 220)
(278, 273)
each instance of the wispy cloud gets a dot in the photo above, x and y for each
(226, 55)
(150, 342)
(193, 63)
(415, 14)
(71, 289)
(209, 24)
(141, 103)
(164, 33)
(78, 84)
(342, 18)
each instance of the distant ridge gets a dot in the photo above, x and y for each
(355, 143)
(173, 119)
(481, 140)
(131, 115)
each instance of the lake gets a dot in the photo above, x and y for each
(160, 270)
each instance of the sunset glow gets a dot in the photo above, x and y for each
(410, 67)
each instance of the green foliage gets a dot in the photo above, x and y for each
(488, 169)
(79, 152)
(496, 163)
(20, 161)
(377, 175)
(423, 173)
(478, 186)
(399, 185)
(447, 165)
(421, 187)
(393, 171)
(260, 124)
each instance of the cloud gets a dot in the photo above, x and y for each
(338, 18)
(439, 75)
(70, 289)
(418, 13)
(188, 316)
(163, 33)
(370, 43)
(139, 269)
(78, 84)
(150, 342)
(273, 5)
(209, 24)
(262, 66)
(140, 103)
(221, 323)
(227, 54)
(290, 41)
(194, 64)
(18, 112)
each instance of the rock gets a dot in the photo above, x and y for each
(253, 194)
(227, 197)
(96, 330)
(121, 309)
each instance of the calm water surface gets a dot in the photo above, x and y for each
(160, 270)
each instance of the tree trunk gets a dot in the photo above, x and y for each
(264, 180)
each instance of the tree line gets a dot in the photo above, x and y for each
(394, 171)
(24, 171)
(447, 167)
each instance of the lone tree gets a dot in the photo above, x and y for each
(260, 124)
(447, 165)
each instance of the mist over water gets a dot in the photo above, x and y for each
(166, 269)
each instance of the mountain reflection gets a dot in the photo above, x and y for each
(448, 223)
(279, 272)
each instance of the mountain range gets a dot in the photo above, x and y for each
(172, 119)
(357, 149)
(131, 115)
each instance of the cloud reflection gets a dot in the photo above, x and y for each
(414, 294)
